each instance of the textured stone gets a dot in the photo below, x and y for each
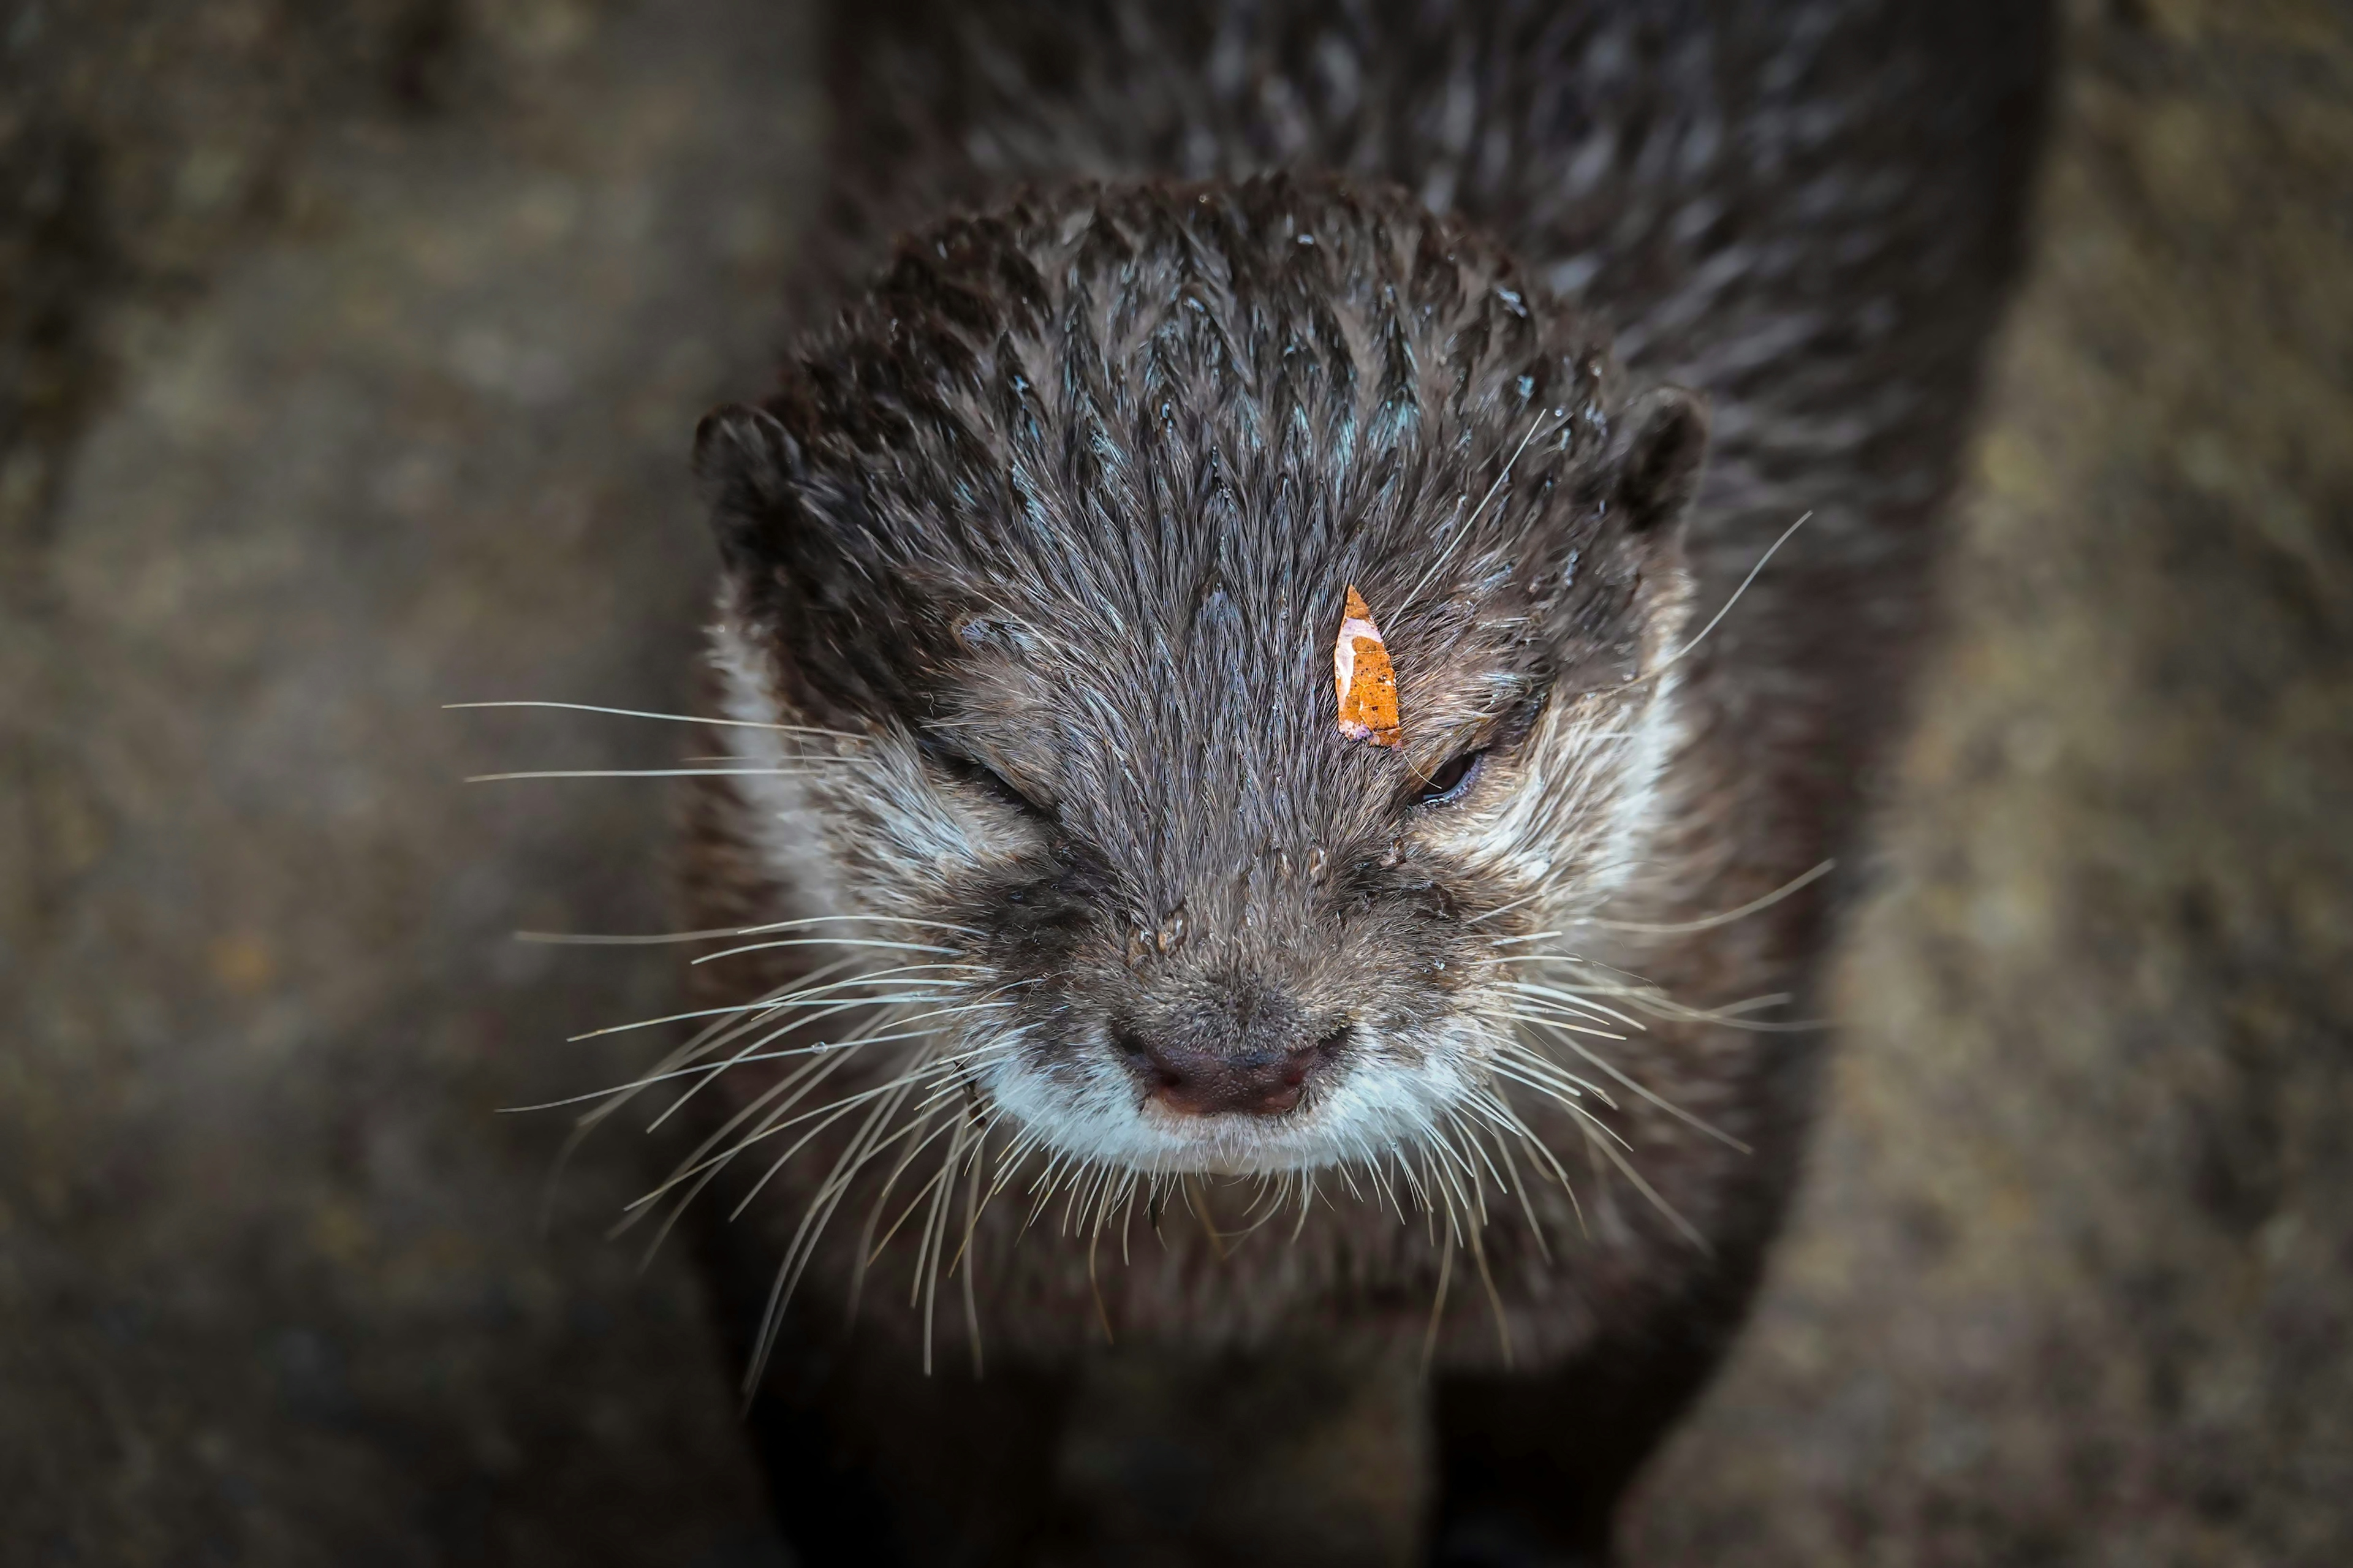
(412, 429)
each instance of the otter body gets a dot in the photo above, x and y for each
(1097, 991)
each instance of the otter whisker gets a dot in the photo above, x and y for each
(1442, 556)
(845, 1173)
(1048, 1182)
(1009, 1161)
(1494, 1297)
(1545, 891)
(1450, 1169)
(1479, 1150)
(1532, 936)
(583, 938)
(787, 1280)
(817, 920)
(1716, 619)
(1649, 998)
(1525, 1064)
(918, 1135)
(1571, 1107)
(795, 1025)
(592, 938)
(869, 1251)
(771, 1004)
(712, 1036)
(1127, 1211)
(673, 718)
(1730, 1015)
(1267, 1196)
(1554, 1021)
(1709, 922)
(979, 1161)
(916, 1202)
(857, 1039)
(1307, 1192)
(1570, 998)
(964, 1251)
(633, 1212)
(1664, 1104)
(1083, 1196)
(1501, 1114)
(1438, 1302)
(907, 1079)
(799, 1084)
(679, 1208)
(1378, 1172)
(825, 941)
(713, 1068)
(865, 1145)
(709, 1037)
(1421, 1199)
(720, 1037)
(1690, 1232)
(793, 772)
(1108, 1198)
(878, 1117)
(935, 1234)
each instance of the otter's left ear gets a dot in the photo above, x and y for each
(743, 461)
(1656, 468)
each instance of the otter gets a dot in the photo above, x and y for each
(1079, 988)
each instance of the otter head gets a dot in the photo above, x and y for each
(1058, 520)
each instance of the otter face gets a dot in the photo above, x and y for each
(1052, 534)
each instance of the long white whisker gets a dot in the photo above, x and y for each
(1681, 928)
(1574, 996)
(1716, 619)
(858, 1038)
(659, 772)
(1670, 1106)
(575, 939)
(1626, 1168)
(710, 1068)
(1471, 522)
(772, 1005)
(825, 941)
(672, 717)
(1554, 1021)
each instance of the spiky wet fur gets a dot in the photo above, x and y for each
(1038, 549)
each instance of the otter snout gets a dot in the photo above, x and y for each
(1193, 1077)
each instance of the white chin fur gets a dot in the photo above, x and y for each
(1370, 1108)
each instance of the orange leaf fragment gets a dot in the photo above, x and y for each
(1363, 679)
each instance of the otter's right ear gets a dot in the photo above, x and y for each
(745, 464)
(1656, 468)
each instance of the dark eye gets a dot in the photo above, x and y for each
(1452, 780)
(981, 776)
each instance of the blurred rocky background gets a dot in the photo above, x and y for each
(350, 356)
(347, 357)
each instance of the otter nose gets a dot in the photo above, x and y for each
(1197, 1081)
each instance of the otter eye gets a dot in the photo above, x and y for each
(981, 776)
(1451, 780)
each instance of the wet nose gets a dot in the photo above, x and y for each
(1198, 1081)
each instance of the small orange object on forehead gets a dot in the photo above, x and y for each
(1362, 676)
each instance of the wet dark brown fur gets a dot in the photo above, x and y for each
(1200, 315)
